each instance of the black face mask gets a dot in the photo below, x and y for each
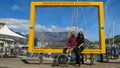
(73, 35)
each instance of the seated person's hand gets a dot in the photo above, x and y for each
(66, 46)
(79, 46)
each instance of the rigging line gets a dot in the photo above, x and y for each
(113, 32)
(109, 32)
(71, 22)
(110, 29)
(85, 21)
(108, 1)
(107, 17)
(107, 28)
(76, 18)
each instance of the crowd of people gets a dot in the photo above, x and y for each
(9, 51)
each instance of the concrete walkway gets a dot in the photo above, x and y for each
(17, 63)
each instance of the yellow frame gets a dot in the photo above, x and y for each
(100, 7)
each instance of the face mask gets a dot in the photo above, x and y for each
(73, 35)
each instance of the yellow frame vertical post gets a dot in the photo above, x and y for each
(101, 27)
(32, 28)
(99, 5)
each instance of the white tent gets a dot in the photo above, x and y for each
(5, 32)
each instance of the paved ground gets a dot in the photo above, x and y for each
(17, 63)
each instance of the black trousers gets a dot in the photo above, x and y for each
(79, 56)
(64, 50)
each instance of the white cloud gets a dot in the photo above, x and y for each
(40, 27)
(54, 28)
(73, 28)
(23, 24)
(16, 7)
(16, 23)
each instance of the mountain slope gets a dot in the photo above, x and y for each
(55, 39)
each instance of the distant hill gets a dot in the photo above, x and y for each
(116, 39)
(22, 41)
(55, 39)
(52, 36)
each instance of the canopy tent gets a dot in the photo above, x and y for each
(5, 32)
(6, 39)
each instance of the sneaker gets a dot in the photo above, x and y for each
(77, 65)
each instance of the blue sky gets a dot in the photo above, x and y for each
(16, 14)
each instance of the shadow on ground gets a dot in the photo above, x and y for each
(8, 56)
(4, 67)
(110, 62)
(28, 62)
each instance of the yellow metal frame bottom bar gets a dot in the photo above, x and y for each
(86, 51)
